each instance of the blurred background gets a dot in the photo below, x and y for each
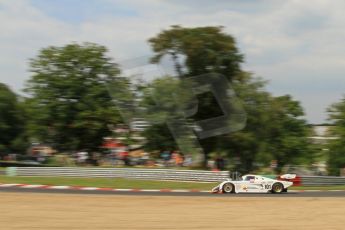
(74, 93)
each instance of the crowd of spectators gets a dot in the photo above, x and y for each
(115, 157)
(137, 157)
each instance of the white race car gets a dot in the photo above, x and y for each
(255, 184)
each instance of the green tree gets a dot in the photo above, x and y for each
(197, 51)
(336, 159)
(69, 103)
(12, 122)
(288, 133)
(204, 50)
(165, 100)
(274, 128)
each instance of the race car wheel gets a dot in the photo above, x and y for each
(277, 188)
(228, 188)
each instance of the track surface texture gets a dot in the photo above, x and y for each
(198, 194)
(84, 211)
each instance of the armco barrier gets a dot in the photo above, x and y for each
(322, 180)
(156, 174)
(148, 174)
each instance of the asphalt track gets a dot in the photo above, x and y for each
(197, 194)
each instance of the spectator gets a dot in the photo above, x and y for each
(188, 160)
(82, 157)
(165, 155)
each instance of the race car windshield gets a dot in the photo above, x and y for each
(249, 178)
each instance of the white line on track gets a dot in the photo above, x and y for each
(32, 186)
(9, 185)
(179, 190)
(59, 187)
(123, 190)
(150, 190)
(89, 188)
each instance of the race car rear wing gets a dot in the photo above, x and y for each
(288, 176)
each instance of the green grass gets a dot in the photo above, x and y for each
(131, 184)
(107, 182)
(326, 187)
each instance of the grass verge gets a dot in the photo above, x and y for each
(326, 187)
(107, 182)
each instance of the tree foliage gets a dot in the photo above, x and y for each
(197, 51)
(12, 122)
(204, 50)
(275, 129)
(165, 100)
(336, 159)
(69, 103)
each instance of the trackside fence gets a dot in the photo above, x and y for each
(146, 174)
(155, 174)
(322, 180)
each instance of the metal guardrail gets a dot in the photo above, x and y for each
(153, 174)
(322, 180)
(147, 174)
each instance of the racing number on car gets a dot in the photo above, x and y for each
(267, 186)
